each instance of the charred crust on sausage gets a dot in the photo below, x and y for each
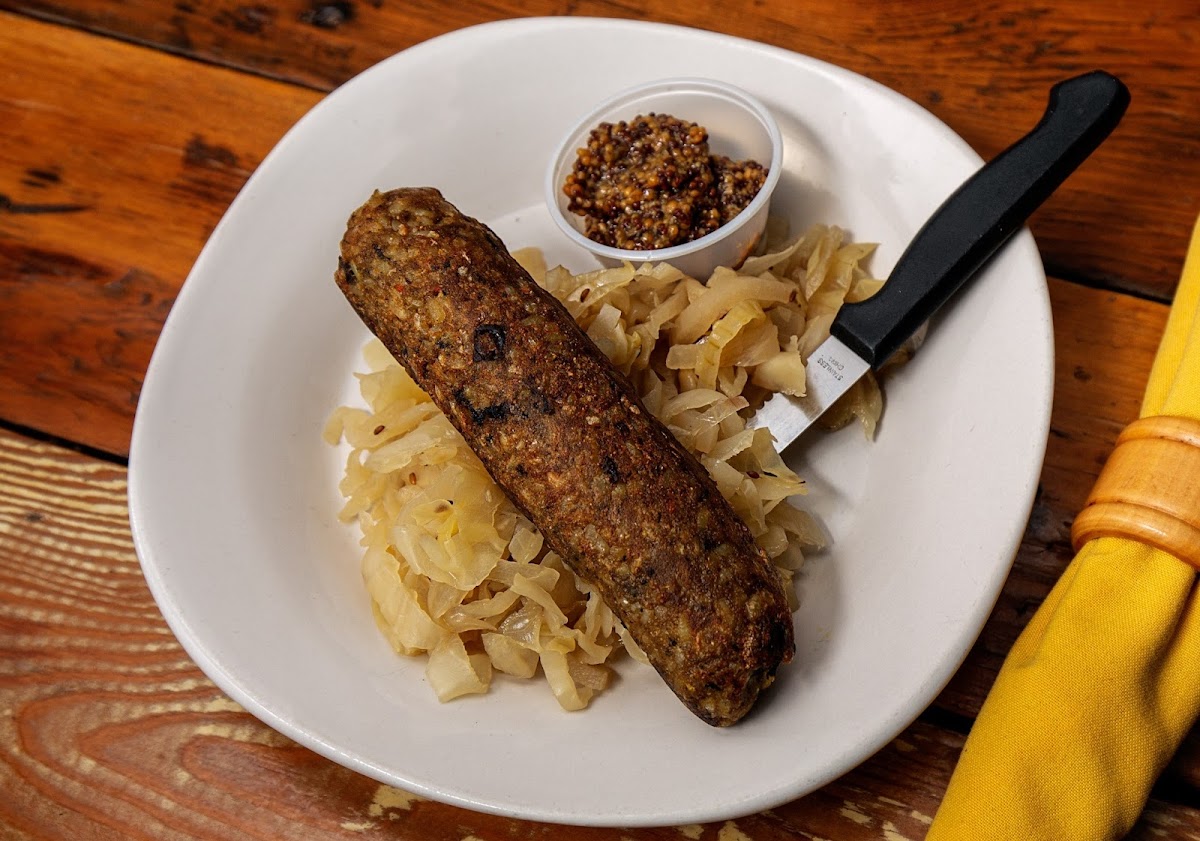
(567, 438)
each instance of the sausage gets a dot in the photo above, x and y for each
(568, 439)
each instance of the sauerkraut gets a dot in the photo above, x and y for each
(454, 572)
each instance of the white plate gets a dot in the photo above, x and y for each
(233, 495)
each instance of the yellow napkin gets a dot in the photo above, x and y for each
(1103, 684)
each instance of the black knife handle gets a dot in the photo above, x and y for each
(982, 214)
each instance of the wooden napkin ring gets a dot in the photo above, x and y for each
(1149, 490)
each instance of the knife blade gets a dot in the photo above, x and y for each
(957, 240)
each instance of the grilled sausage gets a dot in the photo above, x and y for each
(566, 436)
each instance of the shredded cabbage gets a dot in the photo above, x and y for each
(456, 573)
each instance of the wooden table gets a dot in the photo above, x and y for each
(125, 131)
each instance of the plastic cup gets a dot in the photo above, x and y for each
(738, 125)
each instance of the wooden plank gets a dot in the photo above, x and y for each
(1122, 221)
(103, 210)
(109, 730)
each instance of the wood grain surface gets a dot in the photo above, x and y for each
(984, 68)
(127, 128)
(103, 210)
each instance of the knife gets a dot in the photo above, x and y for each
(969, 227)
